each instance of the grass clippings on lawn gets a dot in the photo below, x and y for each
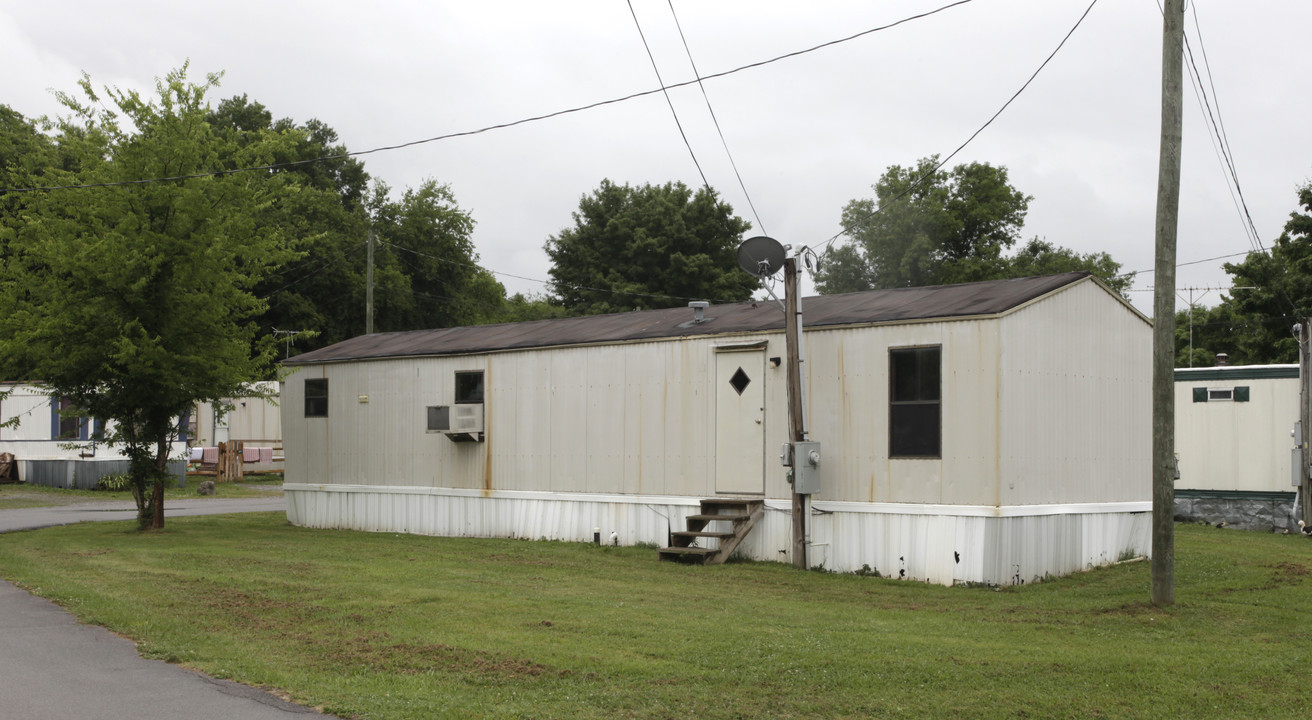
(394, 626)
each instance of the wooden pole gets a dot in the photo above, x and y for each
(1305, 414)
(796, 419)
(1168, 208)
(369, 286)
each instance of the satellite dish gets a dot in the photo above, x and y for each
(761, 256)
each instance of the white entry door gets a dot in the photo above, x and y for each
(740, 422)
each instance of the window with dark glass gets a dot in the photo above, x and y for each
(915, 407)
(68, 426)
(316, 397)
(469, 387)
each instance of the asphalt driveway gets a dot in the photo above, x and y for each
(54, 668)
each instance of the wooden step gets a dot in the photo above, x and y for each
(686, 554)
(702, 533)
(728, 517)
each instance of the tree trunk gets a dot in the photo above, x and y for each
(157, 520)
(161, 472)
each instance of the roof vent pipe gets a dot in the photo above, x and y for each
(699, 310)
(1222, 359)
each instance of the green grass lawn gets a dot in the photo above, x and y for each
(24, 495)
(387, 626)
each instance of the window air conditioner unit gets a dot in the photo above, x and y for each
(460, 423)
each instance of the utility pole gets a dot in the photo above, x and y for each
(369, 286)
(1168, 209)
(796, 415)
(1304, 333)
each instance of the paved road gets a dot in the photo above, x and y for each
(31, 518)
(53, 668)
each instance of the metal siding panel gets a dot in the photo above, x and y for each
(523, 461)
(607, 394)
(688, 408)
(644, 434)
(970, 427)
(569, 403)
(1076, 416)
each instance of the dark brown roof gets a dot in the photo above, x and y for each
(875, 306)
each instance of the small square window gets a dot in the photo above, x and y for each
(316, 397)
(469, 387)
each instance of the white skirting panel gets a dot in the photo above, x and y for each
(939, 544)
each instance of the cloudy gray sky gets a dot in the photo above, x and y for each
(808, 133)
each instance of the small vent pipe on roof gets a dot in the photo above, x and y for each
(699, 311)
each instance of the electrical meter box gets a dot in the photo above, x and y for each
(806, 468)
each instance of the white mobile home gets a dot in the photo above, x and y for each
(989, 432)
(55, 447)
(253, 419)
(1233, 441)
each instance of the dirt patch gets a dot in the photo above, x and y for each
(1288, 573)
(375, 652)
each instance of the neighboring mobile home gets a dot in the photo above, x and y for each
(55, 447)
(255, 420)
(1233, 442)
(990, 432)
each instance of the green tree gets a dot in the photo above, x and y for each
(650, 246)
(1209, 331)
(321, 291)
(429, 238)
(520, 308)
(1039, 257)
(135, 301)
(425, 272)
(23, 149)
(929, 226)
(1282, 291)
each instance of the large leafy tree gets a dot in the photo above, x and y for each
(1253, 325)
(320, 293)
(425, 271)
(930, 226)
(648, 247)
(134, 301)
(428, 237)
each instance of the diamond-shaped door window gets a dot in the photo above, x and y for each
(740, 381)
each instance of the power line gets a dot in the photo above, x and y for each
(1191, 262)
(926, 176)
(716, 120)
(668, 101)
(1234, 199)
(500, 126)
(1222, 136)
(1225, 147)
